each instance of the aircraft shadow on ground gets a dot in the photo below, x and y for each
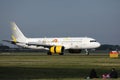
(21, 73)
(29, 73)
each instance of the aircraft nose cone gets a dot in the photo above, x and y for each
(98, 44)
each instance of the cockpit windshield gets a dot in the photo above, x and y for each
(92, 40)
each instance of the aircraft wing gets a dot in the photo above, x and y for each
(39, 44)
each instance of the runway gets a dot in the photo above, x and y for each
(37, 66)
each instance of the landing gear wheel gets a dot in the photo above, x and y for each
(61, 53)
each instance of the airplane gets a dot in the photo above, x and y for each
(53, 45)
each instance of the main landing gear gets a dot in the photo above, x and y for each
(49, 53)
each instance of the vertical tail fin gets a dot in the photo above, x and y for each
(17, 35)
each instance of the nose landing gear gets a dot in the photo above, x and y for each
(87, 52)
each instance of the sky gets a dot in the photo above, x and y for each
(99, 19)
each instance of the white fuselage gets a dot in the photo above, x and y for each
(68, 42)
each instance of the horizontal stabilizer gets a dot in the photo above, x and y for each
(12, 41)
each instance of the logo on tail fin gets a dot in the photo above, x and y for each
(14, 39)
(14, 28)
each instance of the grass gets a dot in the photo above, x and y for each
(24, 66)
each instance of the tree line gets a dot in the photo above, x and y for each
(8, 48)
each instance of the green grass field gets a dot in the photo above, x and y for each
(34, 66)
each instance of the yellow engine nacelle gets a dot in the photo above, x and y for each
(57, 49)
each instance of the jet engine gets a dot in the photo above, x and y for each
(56, 49)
